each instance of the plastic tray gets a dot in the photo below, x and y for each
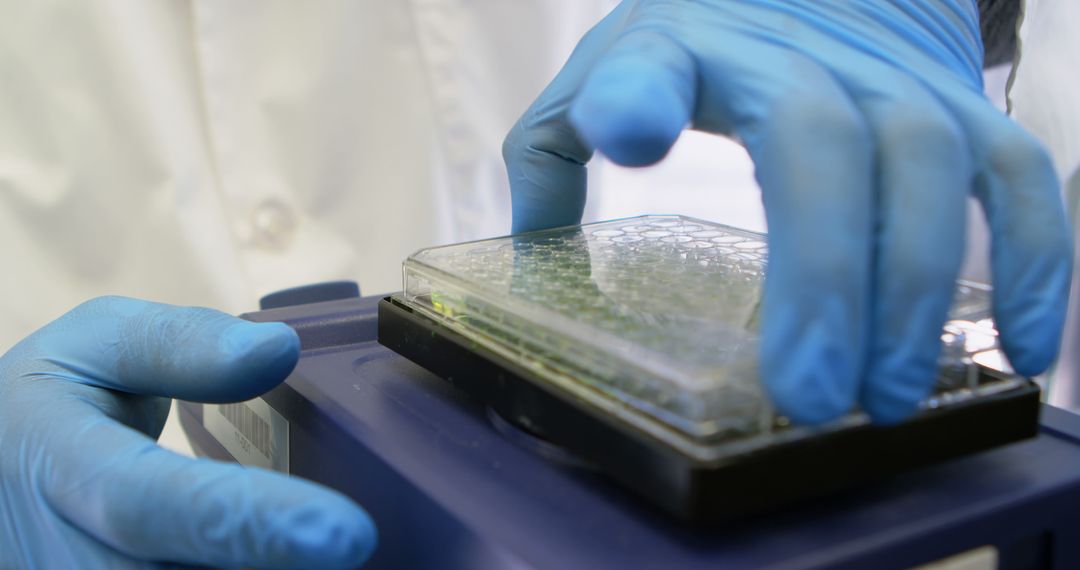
(654, 321)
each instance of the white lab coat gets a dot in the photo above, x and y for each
(1045, 98)
(209, 151)
(206, 152)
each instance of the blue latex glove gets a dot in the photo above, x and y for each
(82, 483)
(868, 129)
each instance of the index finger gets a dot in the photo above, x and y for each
(545, 158)
(155, 349)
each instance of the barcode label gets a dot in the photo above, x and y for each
(253, 432)
(250, 425)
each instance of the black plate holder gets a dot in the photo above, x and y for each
(707, 491)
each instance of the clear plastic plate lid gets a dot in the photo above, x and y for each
(653, 320)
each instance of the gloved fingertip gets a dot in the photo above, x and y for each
(629, 115)
(553, 196)
(890, 414)
(245, 336)
(1031, 335)
(809, 405)
(805, 386)
(334, 534)
(264, 353)
(893, 400)
(1032, 354)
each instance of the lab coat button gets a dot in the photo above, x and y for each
(272, 225)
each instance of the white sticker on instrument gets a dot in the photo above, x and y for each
(253, 432)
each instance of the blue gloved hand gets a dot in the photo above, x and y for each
(868, 129)
(82, 483)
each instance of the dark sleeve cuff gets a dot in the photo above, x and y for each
(997, 19)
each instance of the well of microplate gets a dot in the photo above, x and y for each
(633, 343)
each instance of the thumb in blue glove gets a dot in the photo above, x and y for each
(868, 130)
(82, 483)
